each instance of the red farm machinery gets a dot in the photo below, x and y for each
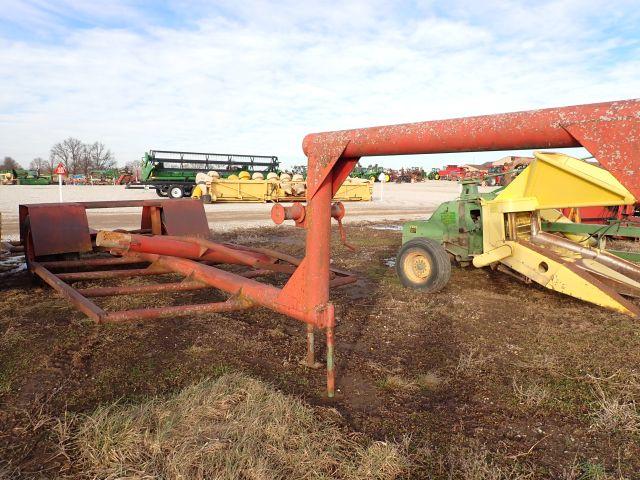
(453, 172)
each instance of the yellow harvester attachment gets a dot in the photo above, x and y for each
(512, 235)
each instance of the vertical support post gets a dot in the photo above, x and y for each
(331, 377)
(318, 251)
(310, 359)
(156, 223)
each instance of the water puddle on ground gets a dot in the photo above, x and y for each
(390, 262)
(12, 265)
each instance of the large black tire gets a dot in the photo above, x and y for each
(162, 191)
(423, 264)
(176, 191)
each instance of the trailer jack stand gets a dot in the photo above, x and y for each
(309, 360)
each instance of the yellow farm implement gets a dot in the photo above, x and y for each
(243, 188)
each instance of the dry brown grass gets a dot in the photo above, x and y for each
(393, 383)
(431, 381)
(615, 413)
(471, 461)
(531, 395)
(234, 427)
(470, 362)
(585, 470)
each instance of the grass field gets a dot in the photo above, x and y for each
(487, 379)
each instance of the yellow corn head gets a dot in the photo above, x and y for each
(512, 233)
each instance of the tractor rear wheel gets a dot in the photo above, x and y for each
(423, 264)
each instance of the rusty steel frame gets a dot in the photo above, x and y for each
(610, 131)
(199, 274)
(186, 253)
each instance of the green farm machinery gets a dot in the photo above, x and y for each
(173, 174)
(23, 177)
(520, 229)
(433, 174)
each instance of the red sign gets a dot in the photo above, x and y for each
(60, 170)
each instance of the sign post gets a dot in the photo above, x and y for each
(382, 178)
(60, 171)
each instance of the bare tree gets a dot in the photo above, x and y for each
(40, 165)
(100, 157)
(133, 165)
(71, 152)
(79, 157)
(9, 164)
(83, 164)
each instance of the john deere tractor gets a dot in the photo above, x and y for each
(455, 229)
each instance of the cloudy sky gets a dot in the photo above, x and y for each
(254, 77)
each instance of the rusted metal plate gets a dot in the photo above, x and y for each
(615, 143)
(179, 217)
(58, 228)
(185, 218)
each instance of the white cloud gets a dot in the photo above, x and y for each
(251, 77)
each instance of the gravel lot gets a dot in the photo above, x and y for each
(398, 202)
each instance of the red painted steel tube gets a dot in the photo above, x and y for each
(183, 248)
(142, 289)
(230, 305)
(507, 131)
(86, 306)
(102, 274)
(92, 262)
(318, 248)
(318, 252)
(255, 292)
(238, 254)
(280, 213)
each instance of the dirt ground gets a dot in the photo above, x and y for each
(395, 201)
(489, 378)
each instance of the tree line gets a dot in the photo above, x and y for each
(77, 157)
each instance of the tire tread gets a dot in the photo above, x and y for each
(441, 263)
